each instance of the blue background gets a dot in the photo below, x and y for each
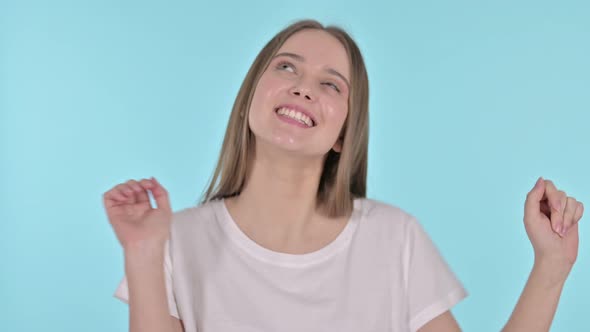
(470, 103)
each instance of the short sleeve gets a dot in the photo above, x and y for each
(122, 291)
(431, 287)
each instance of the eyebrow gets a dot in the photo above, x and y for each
(302, 59)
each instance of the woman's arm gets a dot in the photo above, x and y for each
(445, 322)
(538, 302)
(533, 312)
(551, 222)
(143, 231)
(148, 305)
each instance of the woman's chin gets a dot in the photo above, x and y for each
(290, 146)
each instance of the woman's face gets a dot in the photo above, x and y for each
(301, 100)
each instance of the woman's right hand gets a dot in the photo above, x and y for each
(132, 217)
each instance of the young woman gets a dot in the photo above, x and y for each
(285, 239)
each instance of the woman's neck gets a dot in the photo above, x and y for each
(279, 194)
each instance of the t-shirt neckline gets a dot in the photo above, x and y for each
(259, 252)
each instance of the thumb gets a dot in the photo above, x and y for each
(160, 196)
(534, 197)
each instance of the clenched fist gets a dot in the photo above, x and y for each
(134, 220)
(551, 221)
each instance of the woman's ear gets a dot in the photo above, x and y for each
(337, 146)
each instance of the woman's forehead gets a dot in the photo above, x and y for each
(318, 48)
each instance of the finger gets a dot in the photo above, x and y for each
(126, 190)
(134, 185)
(133, 189)
(563, 204)
(545, 209)
(557, 216)
(141, 195)
(579, 212)
(552, 195)
(115, 194)
(532, 205)
(147, 186)
(125, 193)
(554, 198)
(568, 216)
(160, 195)
(112, 198)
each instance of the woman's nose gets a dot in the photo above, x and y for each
(301, 91)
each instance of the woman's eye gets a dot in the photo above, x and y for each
(286, 66)
(332, 85)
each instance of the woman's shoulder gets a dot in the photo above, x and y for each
(381, 210)
(196, 215)
(386, 217)
(385, 224)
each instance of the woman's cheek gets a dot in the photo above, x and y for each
(337, 110)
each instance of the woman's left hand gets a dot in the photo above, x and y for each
(551, 222)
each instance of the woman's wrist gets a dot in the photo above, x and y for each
(550, 272)
(144, 254)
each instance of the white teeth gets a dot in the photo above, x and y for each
(296, 115)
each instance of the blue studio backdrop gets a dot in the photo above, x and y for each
(470, 102)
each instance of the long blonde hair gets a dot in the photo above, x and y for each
(344, 175)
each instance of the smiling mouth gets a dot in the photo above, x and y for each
(295, 115)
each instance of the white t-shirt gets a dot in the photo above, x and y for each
(381, 273)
